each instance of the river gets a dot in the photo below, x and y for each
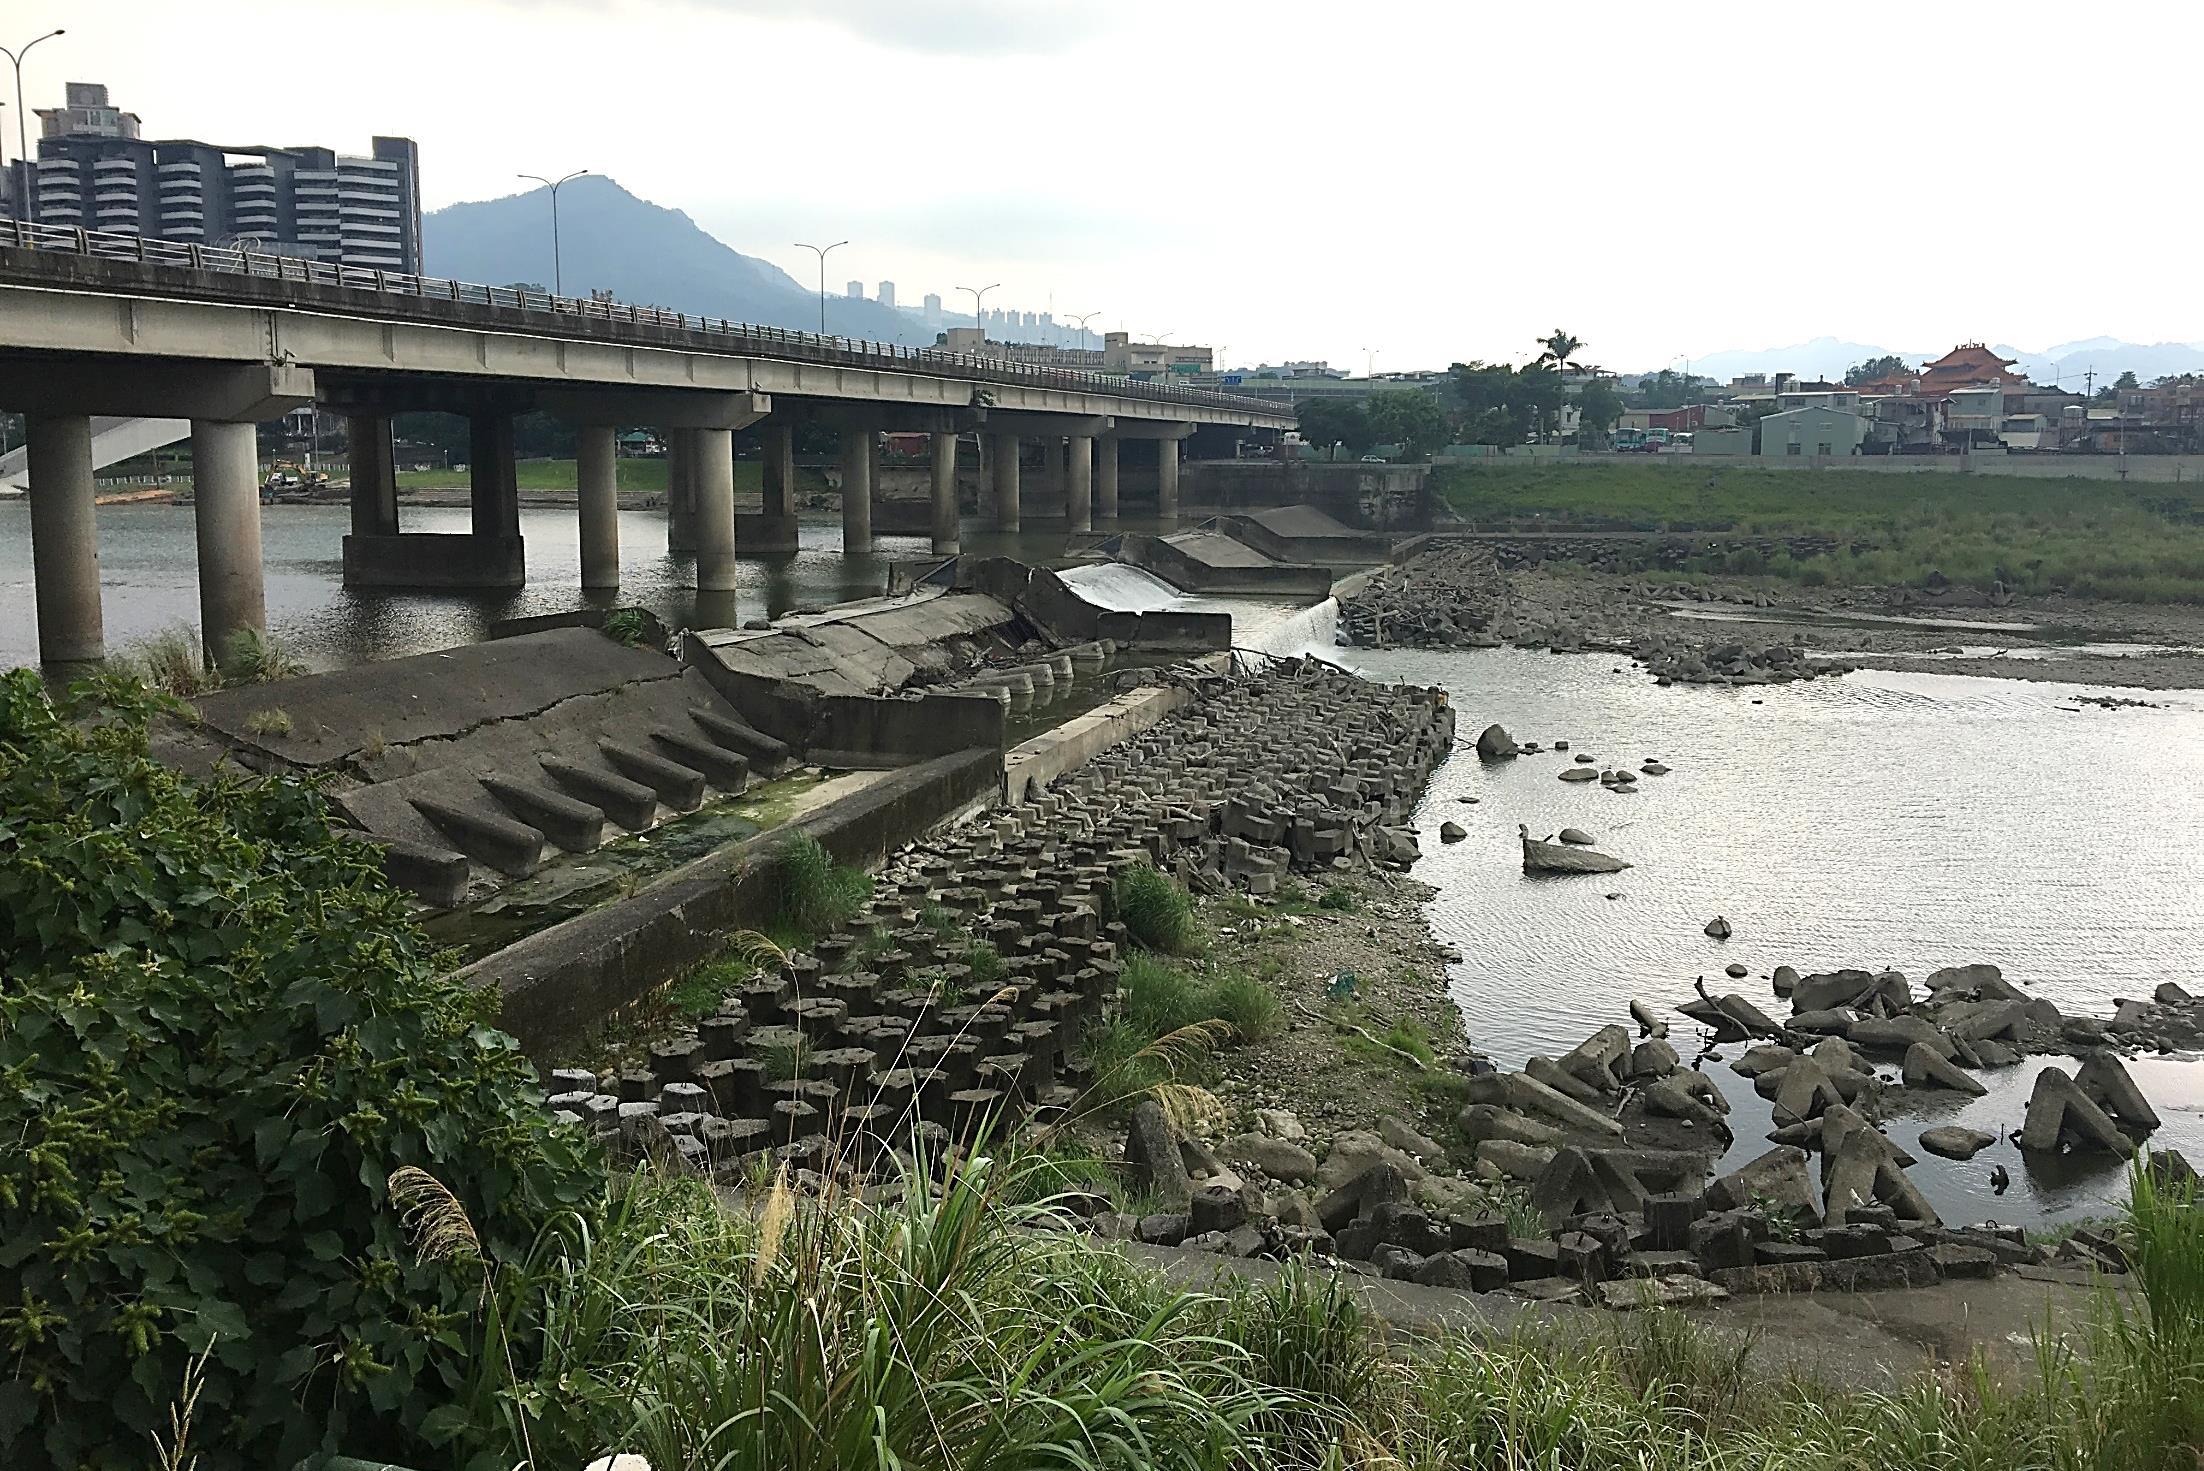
(1878, 820)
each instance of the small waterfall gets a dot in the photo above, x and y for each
(1124, 589)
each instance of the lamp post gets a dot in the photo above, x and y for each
(1082, 319)
(1369, 362)
(22, 128)
(822, 251)
(979, 294)
(558, 275)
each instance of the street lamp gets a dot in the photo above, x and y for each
(822, 253)
(1369, 362)
(22, 128)
(1082, 319)
(558, 276)
(979, 294)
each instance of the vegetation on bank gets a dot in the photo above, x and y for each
(276, 1186)
(220, 1035)
(2130, 542)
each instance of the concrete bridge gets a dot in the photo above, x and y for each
(95, 324)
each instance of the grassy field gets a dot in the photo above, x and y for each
(2090, 538)
(559, 475)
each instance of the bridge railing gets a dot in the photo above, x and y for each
(740, 337)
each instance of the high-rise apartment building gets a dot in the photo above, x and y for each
(94, 170)
(887, 293)
(931, 305)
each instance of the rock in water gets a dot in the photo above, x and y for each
(1495, 744)
(1718, 928)
(1452, 832)
(1954, 1142)
(1576, 837)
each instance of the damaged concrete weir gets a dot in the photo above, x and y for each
(476, 765)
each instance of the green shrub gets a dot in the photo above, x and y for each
(1157, 912)
(172, 661)
(1160, 998)
(1248, 1004)
(220, 1034)
(254, 657)
(1335, 897)
(626, 625)
(812, 893)
(986, 964)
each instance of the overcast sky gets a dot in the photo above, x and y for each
(1429, 179)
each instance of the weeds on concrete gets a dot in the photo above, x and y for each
(254, 657)
(1158, 913)
(272, 721)
(813, 894)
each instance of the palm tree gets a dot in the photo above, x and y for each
(1561, 350)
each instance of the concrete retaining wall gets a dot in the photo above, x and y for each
(2156, 469)
(1281, 579)
(557, 983)
(1082, 738)
(1392, 498)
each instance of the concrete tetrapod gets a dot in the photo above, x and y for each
(2060, 1112)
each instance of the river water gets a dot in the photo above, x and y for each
(1878, 820)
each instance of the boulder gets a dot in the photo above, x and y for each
(1653, 1058)
(1380, 1184)
(1152, 1156)
(1602, 1059)
(1768, 1057)
(1898, 1033)
(1481, 1121)
(1355, 1151)
(1280, 1123)
(1452, 832)
(1668, 1096)
(1277, 1158)
(1953, 1141)
(1422, 1148)
(1649, 1025)
(2060, 1113)
(1925, 1068)
(1777, 1179)
(1466, 1269)
(1527, 1095)
(1576, 837)
(1495, 744)
(1215, 1208)
(1514, 1160)
(1718, 928)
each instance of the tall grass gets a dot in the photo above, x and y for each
(929, 1327)
(1158, 913)
(812, 894)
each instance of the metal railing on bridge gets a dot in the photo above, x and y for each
(740, 337)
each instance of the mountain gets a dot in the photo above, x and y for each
(1823, 357)
(644, 254)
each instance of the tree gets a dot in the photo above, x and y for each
(1486, 397)
(1329, 421)
(1599, 407)
(2126, 380)
(1890, 365)
(1560, 350)
(1410, 419)
(1538, 396)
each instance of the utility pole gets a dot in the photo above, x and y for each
(24, 171)
(822, 253)
(979, 294)
(558, 275)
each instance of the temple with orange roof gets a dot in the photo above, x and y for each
(1970, 365)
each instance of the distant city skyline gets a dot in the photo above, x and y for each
(1436, 182)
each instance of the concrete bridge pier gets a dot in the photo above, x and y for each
(225, 473)
(948, 539)
(1049, 490)
(1079, 484)
(1004, 447)
(374, 475)
(860, 450)
(597, 490)
(712, 478)
(1105, 482)
(775, 531)
(680, 491)
(65, 541)
(1167, 481)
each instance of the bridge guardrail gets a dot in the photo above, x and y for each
(742, 336)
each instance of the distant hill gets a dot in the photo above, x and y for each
(643, 253)
(1828, 357)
